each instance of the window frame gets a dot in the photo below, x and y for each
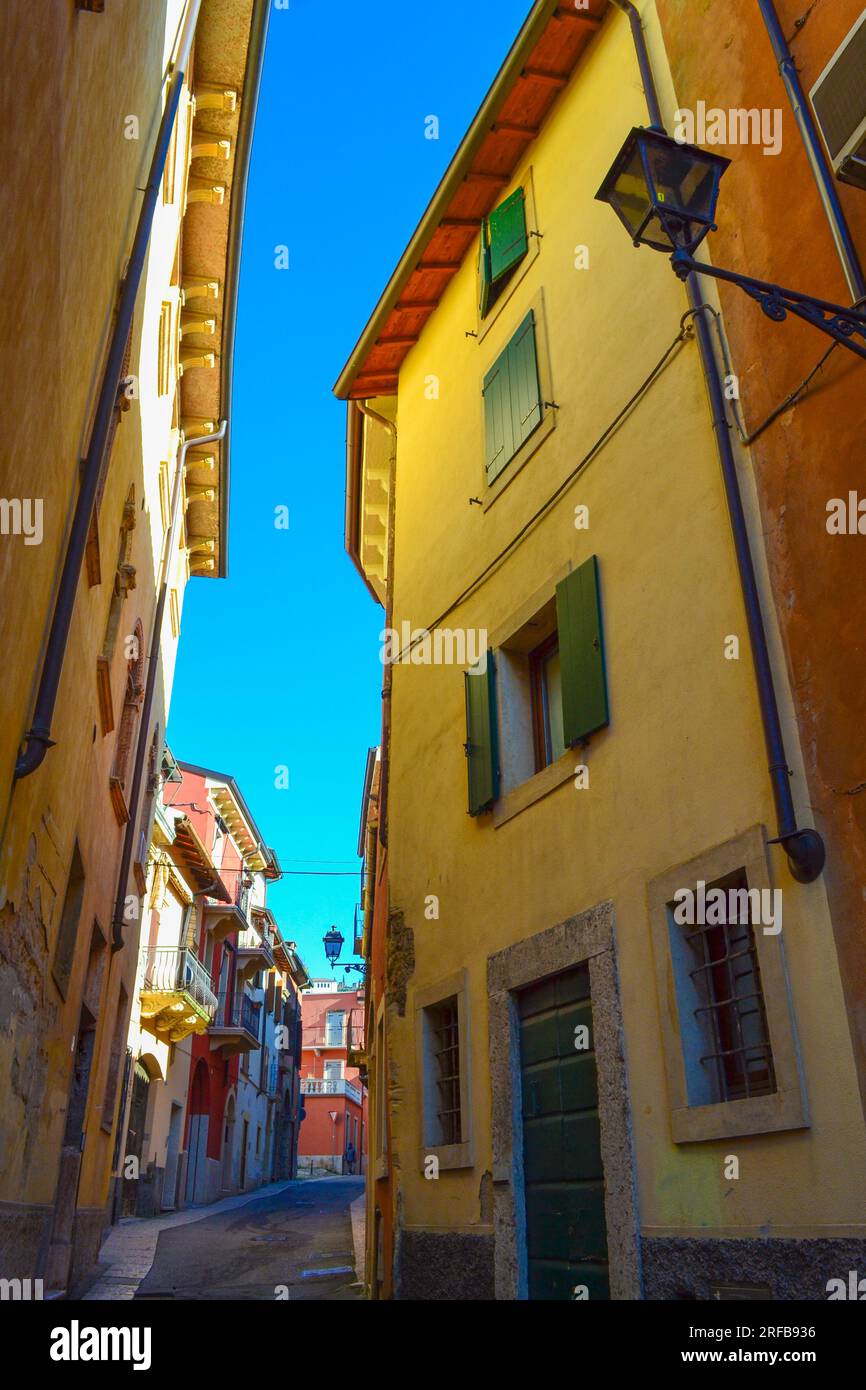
(449, 1156)
(522, 179)
(539, 694)
(783, 1109)
(491, 490)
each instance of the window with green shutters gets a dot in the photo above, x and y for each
(481, 748)
(512, 399)
(504, 243)
(581, 653)
(556, 691)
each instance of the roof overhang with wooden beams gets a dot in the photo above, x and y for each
(227, 61)
(190, 855)
(538, 67)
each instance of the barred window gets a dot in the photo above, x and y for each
(445, 1051)
(726, 1041)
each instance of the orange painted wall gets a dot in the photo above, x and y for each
(772, 225)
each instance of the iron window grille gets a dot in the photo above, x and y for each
(446, 1058)
(731, 1016)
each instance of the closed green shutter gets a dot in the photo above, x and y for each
(523, 373)
(482, 754)
(507, 233)
(581, 652)
(498, 416)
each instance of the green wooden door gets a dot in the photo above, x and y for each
(566, 1236)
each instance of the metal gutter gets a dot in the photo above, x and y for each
(804, 847)
(533, 28)
(815, 152)
(37, 739)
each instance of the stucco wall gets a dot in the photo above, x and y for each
(682, 766)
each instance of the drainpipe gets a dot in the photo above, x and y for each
(389, 606)
(804, 847)
(815, 152)
(150, 684)
(38, 738)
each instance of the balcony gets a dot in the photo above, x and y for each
(177, 995)
(318, 1036)
(254, 950)
(236, 1025)
(339, 1086)
(356, 1042)
(358, 930)
(221, 919)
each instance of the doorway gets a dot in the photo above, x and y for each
(244, 1141)
(199, 1107)
(169, 1184)
(134, 1139)
(228, 1145)
(566, 1232)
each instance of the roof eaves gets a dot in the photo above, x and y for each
(457, 170)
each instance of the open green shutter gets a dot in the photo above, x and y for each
(523, 373)
(484, 271)
(581, 653)
(482, 754)
(507, 232)
(498, 417)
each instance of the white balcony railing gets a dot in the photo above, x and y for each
(167, 969)
(318, 1086)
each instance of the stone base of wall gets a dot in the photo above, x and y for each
(688, 1268)
(25, 1232)
(443, 1265)
(91, 1227)
(323, 1163)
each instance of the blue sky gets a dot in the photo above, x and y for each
(279, 664)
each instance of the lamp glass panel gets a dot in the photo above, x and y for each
(629, 195)
(683, 179)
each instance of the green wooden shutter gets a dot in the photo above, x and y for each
(507, 231)
(581, 653)
(484, 271)
(498, 416)
(482, 753)
(523, 373)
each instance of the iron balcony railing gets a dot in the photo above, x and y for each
(168, 969)
(348, 1033)
(238, 1011)
(337, 1086)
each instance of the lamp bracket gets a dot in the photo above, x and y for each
(838, 322)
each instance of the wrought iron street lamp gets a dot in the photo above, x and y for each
(333, 944)
(665, 194)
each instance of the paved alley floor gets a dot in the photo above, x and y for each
(296, 1241)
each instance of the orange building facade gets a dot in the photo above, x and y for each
(774, 224)
(333, 1135)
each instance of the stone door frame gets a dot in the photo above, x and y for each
(589, 936)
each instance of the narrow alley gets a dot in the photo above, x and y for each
(302, 1242)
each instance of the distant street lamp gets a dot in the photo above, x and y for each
(665, 194)
(333, 944)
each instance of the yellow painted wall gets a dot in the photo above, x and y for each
(71, 200)
(682, 766)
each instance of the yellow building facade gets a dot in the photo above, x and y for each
(576, 1109)
(77, 799)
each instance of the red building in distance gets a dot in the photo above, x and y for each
(333, 1133)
